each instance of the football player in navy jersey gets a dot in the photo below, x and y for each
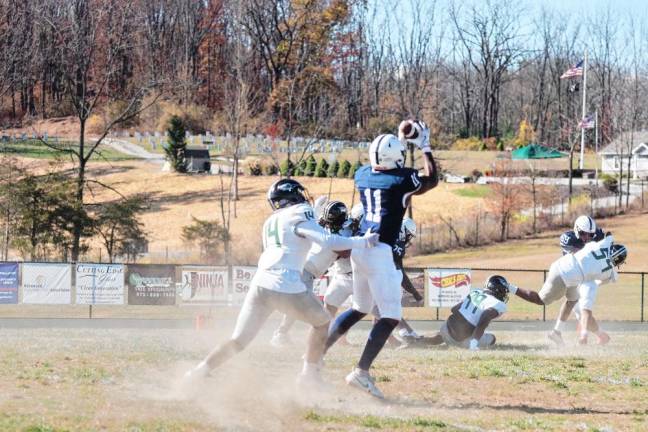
(385, 187)
(585, 231)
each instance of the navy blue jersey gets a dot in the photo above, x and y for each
(384, 196)
(398, 251)
(570, 244)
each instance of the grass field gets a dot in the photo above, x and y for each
(177, 198)
(58, 380)
(37, 150)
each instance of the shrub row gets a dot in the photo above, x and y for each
(309, 167)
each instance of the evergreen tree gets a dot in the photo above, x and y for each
(321, 168)
(354, 168)
(333, 169)
(287, 168)
(343, 170)
(311, 164)
(176, 145)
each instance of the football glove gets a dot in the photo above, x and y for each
(415, 132)
(371, 239)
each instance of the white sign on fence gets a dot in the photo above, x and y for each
(46, 283)
(446, 287)
(100, 284)
(205, 285)
(241, 278)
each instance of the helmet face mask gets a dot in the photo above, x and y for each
(334, 214)
(386, 152)
(285, 193)
(618, 254)
(498, 286)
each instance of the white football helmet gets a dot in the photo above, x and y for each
(408, 229)
(584, 224)
(386, 152)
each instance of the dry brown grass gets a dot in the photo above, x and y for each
(177, 198)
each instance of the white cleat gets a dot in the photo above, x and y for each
(310, 381)
(362, 380)
(556, 337)
(280, 340)
(192, 378)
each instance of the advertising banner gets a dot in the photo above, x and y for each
(46, 283)
(446, 287)
(241, 278)
(8, 283)
(204, 285)
(150, 284)
(100, 284)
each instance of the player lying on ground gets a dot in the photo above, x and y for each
(385, 189)
(594, 263)
(331, 216)
(287, 237)
(585, 231)
(466, 325)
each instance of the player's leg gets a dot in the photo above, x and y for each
(362, 301)
(587, 297)
(338, 291)
(384, 284)
(280, 336)
(307, 308)
(253, 314)
(553, 289)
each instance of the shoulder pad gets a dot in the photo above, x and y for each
(300, 213)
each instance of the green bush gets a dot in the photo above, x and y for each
(270, 169)
(254, 168)
(311, 165)
(500, 145)
(300, 168)
(287, 167)
(343, 170)
(333, 169)
(354, 168)
(610, 182)
(482, 146)
(321, 168)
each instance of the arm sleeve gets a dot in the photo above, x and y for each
(315, 233)
(411, 183)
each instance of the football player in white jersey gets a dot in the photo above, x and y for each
(277, 285)
(585, 231)
(332, 216)
(595, 262)
(467, 324)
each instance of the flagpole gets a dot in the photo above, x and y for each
(582, 147)
(596, 126)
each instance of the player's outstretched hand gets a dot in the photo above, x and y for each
(319, 204)
(415, 132)
(371, 239)
(512, 289)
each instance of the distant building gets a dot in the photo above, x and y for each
(633, 147)
(197, 160)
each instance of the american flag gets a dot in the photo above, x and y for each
(587, 122)
(574, 71)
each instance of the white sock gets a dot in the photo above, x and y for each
(583, 333)
(560, 325)
(310, 368)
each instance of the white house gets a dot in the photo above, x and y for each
(626, 146)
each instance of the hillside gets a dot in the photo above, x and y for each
(177, 198)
